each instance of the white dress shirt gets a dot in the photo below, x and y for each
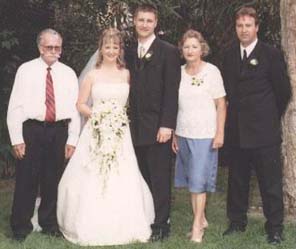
(27, 100)
(248, 49)
(146, 45)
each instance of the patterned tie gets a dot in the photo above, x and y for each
(142, 52)
(49, 102)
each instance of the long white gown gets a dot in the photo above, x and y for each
(120, 213)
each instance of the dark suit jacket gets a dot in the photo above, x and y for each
(258, 93)
(154, 90)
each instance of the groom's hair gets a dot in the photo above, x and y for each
(247, 11)
(146, 8)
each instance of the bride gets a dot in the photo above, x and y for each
(102, 196)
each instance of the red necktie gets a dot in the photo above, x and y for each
(49, 102)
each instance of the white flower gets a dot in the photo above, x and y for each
(148, 56)
(254, 62)
(108, 123)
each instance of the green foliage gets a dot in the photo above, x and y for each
(6, 161)
(8, 40)
(8, 43)
(81, 21)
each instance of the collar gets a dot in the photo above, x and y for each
(249, 48)
(43, 63)
(147, 44)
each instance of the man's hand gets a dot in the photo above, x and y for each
(163, 134)
(19, 150)
(69, 150)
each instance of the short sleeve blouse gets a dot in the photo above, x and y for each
(196, 109)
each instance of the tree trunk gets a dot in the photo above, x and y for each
(288, 28)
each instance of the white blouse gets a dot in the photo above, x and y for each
(197, 110)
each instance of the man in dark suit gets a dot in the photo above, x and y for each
(258, 92)
(155, 75)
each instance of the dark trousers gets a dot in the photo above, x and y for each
(155, 163)
(267, 163)
(41, 168)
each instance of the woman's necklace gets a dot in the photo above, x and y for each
(193, 71)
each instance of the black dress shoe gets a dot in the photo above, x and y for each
(274, 238)
(234, 228)
(158, 235)
(19, 237)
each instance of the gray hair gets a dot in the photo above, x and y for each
(191, 33)
(47, 31)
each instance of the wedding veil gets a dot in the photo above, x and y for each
(89, 66)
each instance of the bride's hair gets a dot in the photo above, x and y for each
(106, 36)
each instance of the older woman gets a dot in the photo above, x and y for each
(200, 127)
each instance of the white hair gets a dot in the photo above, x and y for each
(47, 31)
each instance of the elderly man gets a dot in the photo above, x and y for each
(258, 92)
(44, 127)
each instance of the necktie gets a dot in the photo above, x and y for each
(141, 52)
(244, 60)
(49, 102)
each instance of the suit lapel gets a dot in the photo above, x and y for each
(153, 51)
(135, 60)
(237, 61)
(255, 53)
(252, 61)
(149, 57)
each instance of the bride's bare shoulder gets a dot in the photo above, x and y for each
(91, 76)
(125, 73)
(93, 73)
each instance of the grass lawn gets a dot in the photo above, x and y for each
(253, 238)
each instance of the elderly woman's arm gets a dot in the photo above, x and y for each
(221, 116)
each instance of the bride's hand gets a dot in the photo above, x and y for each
(84, 109)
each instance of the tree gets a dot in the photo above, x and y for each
(288, 20)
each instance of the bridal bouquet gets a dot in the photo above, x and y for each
(108, 123)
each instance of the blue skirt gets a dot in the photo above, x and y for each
(196, 165)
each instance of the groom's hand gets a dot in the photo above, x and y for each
(164, 134)
(69, 150)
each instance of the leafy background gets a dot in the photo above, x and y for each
(81, 21)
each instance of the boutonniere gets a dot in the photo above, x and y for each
(196, 81)
(254, 62)
(148, 56)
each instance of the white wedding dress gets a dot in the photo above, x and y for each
(119, 213)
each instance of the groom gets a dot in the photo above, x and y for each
(155, 75)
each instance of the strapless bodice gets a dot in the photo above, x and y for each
(110, 91)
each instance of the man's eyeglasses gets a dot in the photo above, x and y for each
(52, 48)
